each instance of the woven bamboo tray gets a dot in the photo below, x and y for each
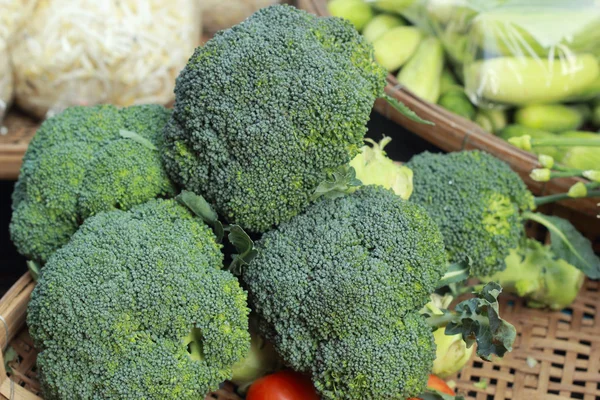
(453, 133)
(565, 346)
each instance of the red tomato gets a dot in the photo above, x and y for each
(437, 384)
(283, 385)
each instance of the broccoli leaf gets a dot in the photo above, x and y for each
(431, 394)
(456, 272)
(34, 269)
(478, 320)
(137, 138)
(570, 245)
(404, 110)
(339, 183)
(199, 206)
(245, 247)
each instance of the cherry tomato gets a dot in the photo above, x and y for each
(437, 384)
(283, 385)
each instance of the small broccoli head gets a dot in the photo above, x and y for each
(100, 329)
(77, 165)
(266, 109)
(336, 287)
(476, 199)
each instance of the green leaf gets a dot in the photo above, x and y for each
(34, 270)
(137, 138)
(338, 183)
(570, 245)
(478, 320)
(404, 110)
(432, 394)
(199, 206)
(10, 355)
(457, 272)
(244, 246)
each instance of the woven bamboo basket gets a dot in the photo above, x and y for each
(565, 346)
(452, 132)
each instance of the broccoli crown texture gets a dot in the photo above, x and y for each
(78, 164)
(476, 199)
(136, 306)
(265, 109)
(338, 289)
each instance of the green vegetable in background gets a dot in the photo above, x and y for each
(380, 25)
(422, 73)
(394, 6)
(491, 119)
(512, 131)
(581, 157)
(453, 97)
(359, 12)
(526, 80)
(534, 272)
(373, 167)
(596, 114)
(550, 117)
(396, 46)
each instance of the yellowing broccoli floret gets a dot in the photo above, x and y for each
(78, 164)
(477, 200)
(136, 306)
(266, 109)
(339, 288)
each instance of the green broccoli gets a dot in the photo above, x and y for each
(137, 306)
(266, 109)
(339, 290)
(83, 161)
(477, 200)
(533, 271)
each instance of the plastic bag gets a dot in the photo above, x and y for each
(122, 52)
(13, 14)
(517, 52)
(220, 14)
(6, 81)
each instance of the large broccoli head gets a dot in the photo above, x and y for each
(79, 164)
(476, 199)
(136, 306)
(265, 109)
(339, 287)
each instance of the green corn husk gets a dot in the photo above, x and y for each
(396, 46)
(380, 25)
(550, 117)
(422, 73)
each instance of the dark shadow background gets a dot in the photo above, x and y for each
(12, 265)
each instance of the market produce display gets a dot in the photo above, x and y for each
(218, 15)
(497, 63)
(253, 235)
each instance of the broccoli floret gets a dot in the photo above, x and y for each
(339, 288)
(79, 164)
(266, 109)
(476, 199)
(137, 306)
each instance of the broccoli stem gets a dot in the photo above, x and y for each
(565, 141)
(440, 321)
(552, 198)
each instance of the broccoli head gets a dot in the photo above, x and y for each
(339, 288)
(136, 306)
(78, 164)
(477, 200)
(266, 109)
